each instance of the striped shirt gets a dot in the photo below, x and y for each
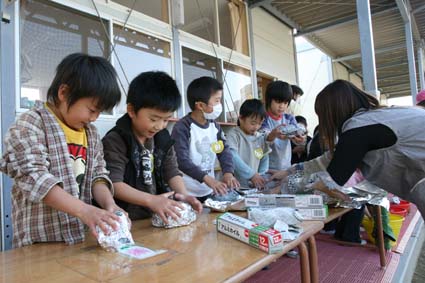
(36, 156)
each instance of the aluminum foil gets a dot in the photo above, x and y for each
(362, 193)
(231, 196)
(269, 216)
(293, 130)
(115, 240)
(223, 206)
(187, 216)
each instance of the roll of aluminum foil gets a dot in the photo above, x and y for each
(222, 206)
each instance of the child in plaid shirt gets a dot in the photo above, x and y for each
(55, 156)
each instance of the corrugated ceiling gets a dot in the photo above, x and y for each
(332, 25)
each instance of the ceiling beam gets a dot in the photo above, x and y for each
(420, 8)
(280, 16)
(256, 3)
(384, 66)
(343, 21)
(377, 51)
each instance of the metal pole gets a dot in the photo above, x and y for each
(9, 50)
(252, 55)
(367, 47)
(421, 66)
(411, 60)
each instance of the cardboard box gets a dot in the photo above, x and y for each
(242, 229)
(313, 213)
(307, 213)
(284, 200)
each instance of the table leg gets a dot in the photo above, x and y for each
(312, 252)
(305, 266)
(380, 232)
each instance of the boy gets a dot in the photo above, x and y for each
(139, 150)
(278, 96)
(200, 140)
(55, 156)
(299, 151)
(249, 147)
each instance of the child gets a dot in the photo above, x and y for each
(278, 96)
(249, 147)
(139, 150)
(199, 141)
(299, 151)
(55, 156)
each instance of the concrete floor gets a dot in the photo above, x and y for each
(419, 275)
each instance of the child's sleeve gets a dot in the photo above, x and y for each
(264, 164)
(181, 136)
(241, 167)
(291, 119)
(26, 159)
(99, 165)
(170, 166)
(115, 150)
(225, 157)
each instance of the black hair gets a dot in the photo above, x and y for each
(252, 108)
(422, 103)
(278, 91)
(201, 89)
(155, 90)
(296, 90)
(301, 119)
(86, 76)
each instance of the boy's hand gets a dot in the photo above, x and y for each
(112, 207)
(193, 201)
(299, 139)
(218, 187)
(230, 181)
(93, 216)
(299, 149)
(258, 181)
(164, 207)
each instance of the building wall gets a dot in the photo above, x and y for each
(273, 44)
(341, 72)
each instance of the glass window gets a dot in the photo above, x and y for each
(237, 88)
(157, 9)
(199, 19)
(233, 25)
(137, 53)
(195, 65)
(48, 33)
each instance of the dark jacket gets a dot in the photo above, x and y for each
(121, 148)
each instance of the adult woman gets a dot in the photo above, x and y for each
(386, 143)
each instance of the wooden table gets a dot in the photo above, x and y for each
(196, 253)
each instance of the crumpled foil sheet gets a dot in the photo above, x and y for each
(362, 193)
(223, 206)
(231, 196)
(116, 239)
(293, 130)
(187, 216)
(283, 219)
(268, 217)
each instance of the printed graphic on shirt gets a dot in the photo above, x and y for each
(204, 148)
(78, 155)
